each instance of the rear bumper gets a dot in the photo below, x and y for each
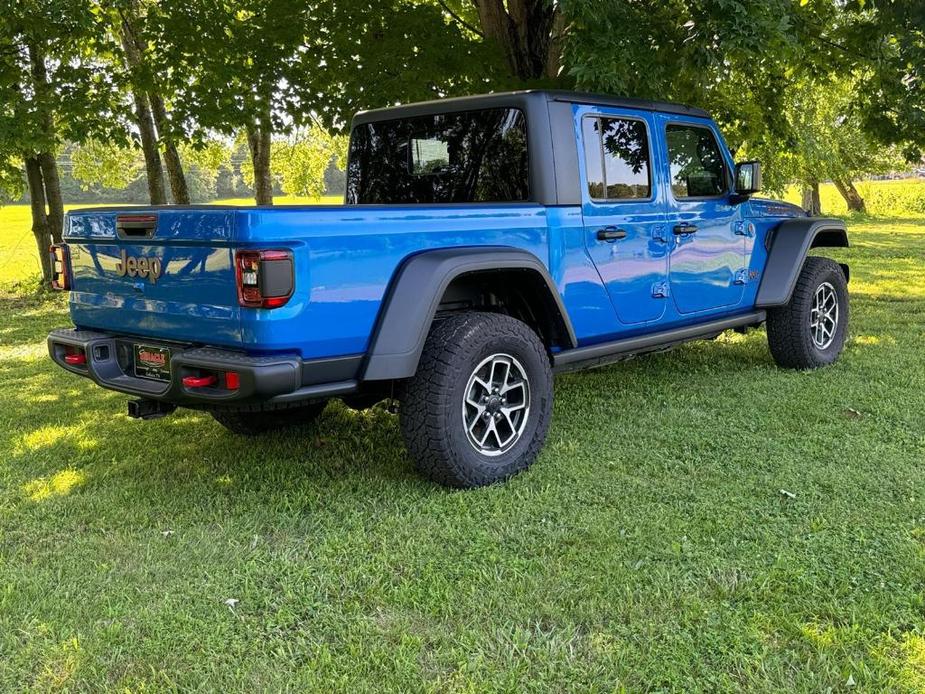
(276, 379)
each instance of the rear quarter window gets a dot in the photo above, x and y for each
(474, 156)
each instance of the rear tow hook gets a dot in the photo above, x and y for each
(149, 409)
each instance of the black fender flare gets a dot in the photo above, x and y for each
(414, 295)
(790, 245)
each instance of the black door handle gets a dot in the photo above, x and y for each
(684, 228)
(610, 234)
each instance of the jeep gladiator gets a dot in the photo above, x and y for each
(486, 243)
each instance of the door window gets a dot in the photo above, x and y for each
(616, 158)
(697, 169)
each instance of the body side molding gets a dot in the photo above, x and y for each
(414, 295)
(790, 244)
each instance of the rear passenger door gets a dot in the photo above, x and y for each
(624, 215)
(707, 262)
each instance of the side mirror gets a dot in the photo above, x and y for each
(748, 178)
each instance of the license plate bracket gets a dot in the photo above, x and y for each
(152, 362)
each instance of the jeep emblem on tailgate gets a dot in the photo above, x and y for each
(139, 266)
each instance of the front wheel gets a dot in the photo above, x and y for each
(810, 331)
(478, 408)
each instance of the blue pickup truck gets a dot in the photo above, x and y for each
(486, 243)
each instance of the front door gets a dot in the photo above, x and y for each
(624, 214)
(707, 261)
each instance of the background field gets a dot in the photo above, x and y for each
(699, 520)
(19, 263)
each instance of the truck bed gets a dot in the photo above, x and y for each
(194, 300)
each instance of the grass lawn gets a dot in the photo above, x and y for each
(699, 520)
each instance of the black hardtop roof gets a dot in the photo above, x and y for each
(518, 98)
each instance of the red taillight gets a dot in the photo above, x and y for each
(200, 381)
(60, 270)
(266, 279)
(75, 359)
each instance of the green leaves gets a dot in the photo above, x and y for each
(65, 40)
(104, 164)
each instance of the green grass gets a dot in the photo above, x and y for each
(650, 548)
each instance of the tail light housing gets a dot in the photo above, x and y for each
(60, 267)
(266, 279)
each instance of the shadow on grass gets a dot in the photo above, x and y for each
(57, 424)
(26, 321)
(62, 423)
(191, 459)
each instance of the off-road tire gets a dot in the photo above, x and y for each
(433, 422)
(790, 336)
(254, 423)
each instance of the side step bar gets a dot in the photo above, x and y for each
(609, 352)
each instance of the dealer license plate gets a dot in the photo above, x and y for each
(152, 362)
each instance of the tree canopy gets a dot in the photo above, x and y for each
(819, 88)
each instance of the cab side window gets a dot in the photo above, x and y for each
(697, 168)
(616, 158)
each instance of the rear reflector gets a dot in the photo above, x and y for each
(199, 381)
(75, 359)
(60, 267)
(266, 279)
(232, 380)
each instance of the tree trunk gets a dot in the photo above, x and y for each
(529, 33)
(178, 188)
(46, 178)
(258, 140)
(811, 202)
(153, 169)
(143, 118)
(40, 228)
(52, 186)
(851, 195)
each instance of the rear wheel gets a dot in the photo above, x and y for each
(259, 422)
(810, 331)
(478, 408)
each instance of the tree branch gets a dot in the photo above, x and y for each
(459, 19)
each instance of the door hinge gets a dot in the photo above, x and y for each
(741, 276)
(660, 290)
(660, 233)
(744, 229)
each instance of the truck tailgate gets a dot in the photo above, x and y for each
(159, 272)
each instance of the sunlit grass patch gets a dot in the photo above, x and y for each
(60, 484)
(884, 198)
(903, 655)
(867, 340)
